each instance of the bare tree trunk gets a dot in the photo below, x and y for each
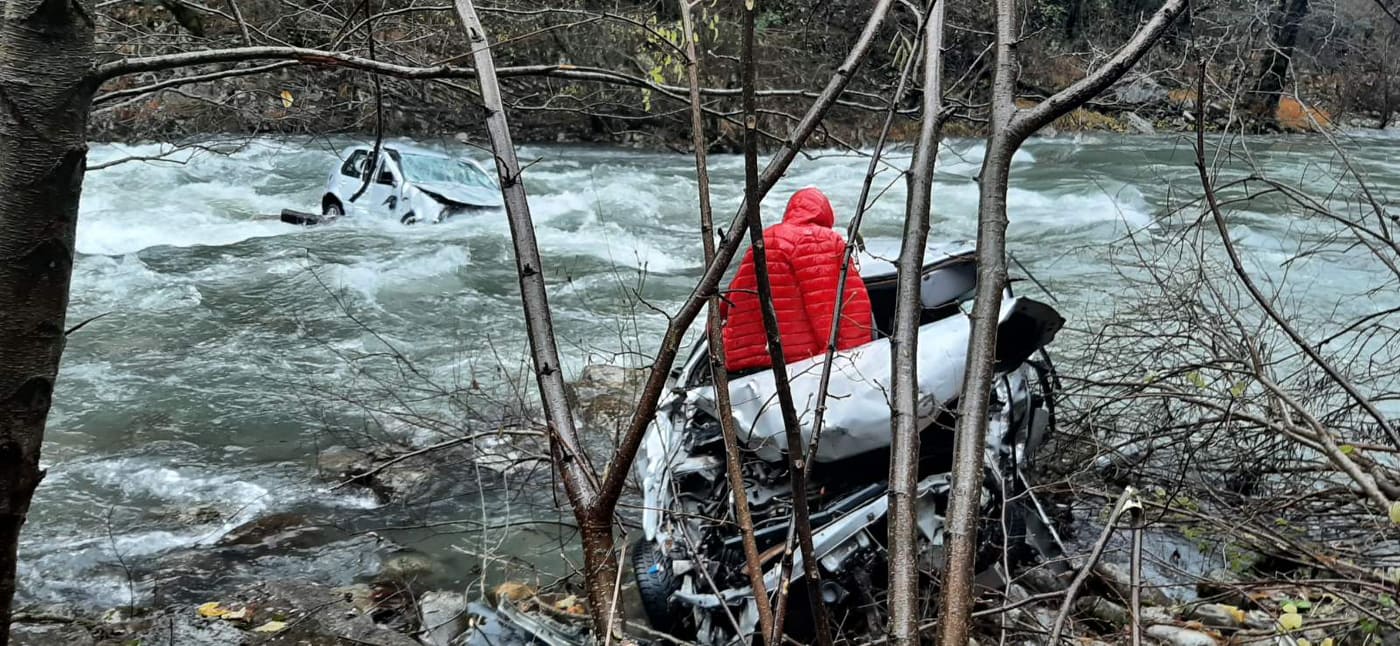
(904, 421)
(1009, 128)
(801, 517)
(46, 50)
(715, 336)
(1273, 72)
(580, 480)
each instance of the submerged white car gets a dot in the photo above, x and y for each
(409, 183)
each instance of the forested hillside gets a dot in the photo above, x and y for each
(585, 70)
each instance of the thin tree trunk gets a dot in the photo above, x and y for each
(796, 459)
(46, 49)
(965, 499)
(904, 421)
(580, 480)
(715, 336)
(1009, 128)
(1273, 72)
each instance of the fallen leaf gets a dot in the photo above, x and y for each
(286, 99)
(271, 627)
(233, 615)
(1303, 641)
(1236, 614)
(1395, 512)
(1290, 621)
(1290, 608)
(211, 610)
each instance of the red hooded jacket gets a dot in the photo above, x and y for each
(804, 266)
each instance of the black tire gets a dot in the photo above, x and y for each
(331, 207)
(655, 584)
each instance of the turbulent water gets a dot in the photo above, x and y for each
(231, 347)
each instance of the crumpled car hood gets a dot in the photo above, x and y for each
(466, 195)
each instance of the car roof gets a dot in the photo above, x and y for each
(411, 149)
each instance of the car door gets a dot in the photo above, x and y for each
(381, 198)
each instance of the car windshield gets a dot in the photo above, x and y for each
(427, 168)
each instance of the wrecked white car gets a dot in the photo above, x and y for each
(410, 183)
(690, 565)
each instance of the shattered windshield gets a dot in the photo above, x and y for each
(426, 168)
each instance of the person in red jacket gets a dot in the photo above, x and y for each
(804, 267)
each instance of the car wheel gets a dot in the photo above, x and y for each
(655, 584)
(332, 208)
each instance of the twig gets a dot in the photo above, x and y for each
(1127, 500)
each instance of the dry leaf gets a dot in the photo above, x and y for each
(286, 99)
(211, 610)
(1395, 512)
(1290, 621)
(271, 627)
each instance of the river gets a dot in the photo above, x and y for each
(227, 349)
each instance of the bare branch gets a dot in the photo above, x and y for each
(1066, 100)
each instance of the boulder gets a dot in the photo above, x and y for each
(341, 463)
(1119, 579)
(183, 626)
(1219, 615)
(606, 395)
(1103, 610)
(443, 616)
(50, 634)
(1177, 636)
(1137, 124)
(1139, 90)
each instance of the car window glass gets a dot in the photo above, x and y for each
(354, 164)
(430, 169)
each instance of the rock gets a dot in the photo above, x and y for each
(1118, 578)
(1137, 124)
(1104, 610)
(320, 615)
(1140, 90)
(183, 626)
(270, 531)
(1156, 615)
(1222, 586)
(341, 463)
(407, 565)
(1177, 636)
(1218, 615)
(1042, 580)
(443, 617)
(26, 634)
(606, 395)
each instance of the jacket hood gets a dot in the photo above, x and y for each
(810, 206)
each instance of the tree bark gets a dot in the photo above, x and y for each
(46, 49)
(801, 517)
(715, 336)
(580, 480)
(1273, 71)
(904, 421)
(1009, 127)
